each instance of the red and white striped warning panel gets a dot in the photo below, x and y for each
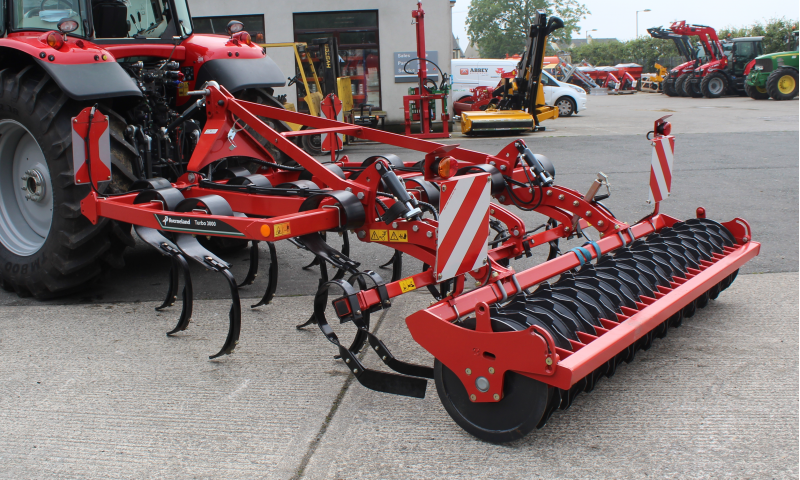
(331, 108)
(661, 168)
(463, 225)
(99, 147)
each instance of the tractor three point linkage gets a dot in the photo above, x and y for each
(506, 357)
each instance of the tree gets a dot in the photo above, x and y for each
(777, 33)
(500, 27)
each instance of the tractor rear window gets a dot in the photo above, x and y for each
(45, 15)
(132, 18)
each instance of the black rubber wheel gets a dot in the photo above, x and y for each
(782, 84)
(756, 93)
(566, 107)
(48, 248)
(714, 85)
(514, 416)
(692, 88)
(680, 83)
(312, 144)
(668, 87)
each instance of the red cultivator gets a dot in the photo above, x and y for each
(506, 357)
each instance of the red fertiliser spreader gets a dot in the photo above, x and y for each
(509, 351)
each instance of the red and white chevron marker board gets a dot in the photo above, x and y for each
(661, 168)
(99, 147)
(332, 108)
(463, 225)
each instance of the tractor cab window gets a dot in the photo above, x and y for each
(138, 18)
(701, 53)
(45, 14)
(743, 52)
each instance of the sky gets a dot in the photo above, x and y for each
(617, 18)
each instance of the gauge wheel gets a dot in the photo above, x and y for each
(47, 247)
(566, 107)
(518, 412)
(782, 84)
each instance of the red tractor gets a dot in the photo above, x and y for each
(725, 71)
(688, 52)
(137, 61)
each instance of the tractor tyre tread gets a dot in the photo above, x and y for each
(679, 85)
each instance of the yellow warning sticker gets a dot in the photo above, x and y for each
(379, 235)
(398, 236)
(183, 89)
(407, 284)
(282, 229)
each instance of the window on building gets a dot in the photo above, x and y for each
(356, 33)
(253, 24)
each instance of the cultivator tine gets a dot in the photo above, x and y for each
(252, 271)
(235, 317)
(192, 249)
(272, 283)
(347, 308)
(187, 295)
(172, 289)
(166, 247)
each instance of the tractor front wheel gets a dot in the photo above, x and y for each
(756, 93)
(692, 88)
(782, 84)
(714, 85)
(668, 87)
(680, 84)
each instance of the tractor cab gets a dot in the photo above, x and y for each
(105, 19)
(743, 50)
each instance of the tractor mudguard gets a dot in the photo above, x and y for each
(90, 81)
(236, 74)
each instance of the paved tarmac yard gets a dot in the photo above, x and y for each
(90, 387)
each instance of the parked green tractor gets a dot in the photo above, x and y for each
(774, 75)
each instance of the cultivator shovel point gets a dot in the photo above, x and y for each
(508, 353)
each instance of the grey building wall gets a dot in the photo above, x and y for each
(395, 34)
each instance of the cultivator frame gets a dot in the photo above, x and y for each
(384, 201)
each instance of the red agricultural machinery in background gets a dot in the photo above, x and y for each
(508, 352)
(724, 71)
(686, 50)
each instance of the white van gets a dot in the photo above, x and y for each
(469, 73)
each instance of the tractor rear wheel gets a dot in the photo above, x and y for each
(714, 85)
(47, 247)
(782, 84)
(680, 83)
(756, 93)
